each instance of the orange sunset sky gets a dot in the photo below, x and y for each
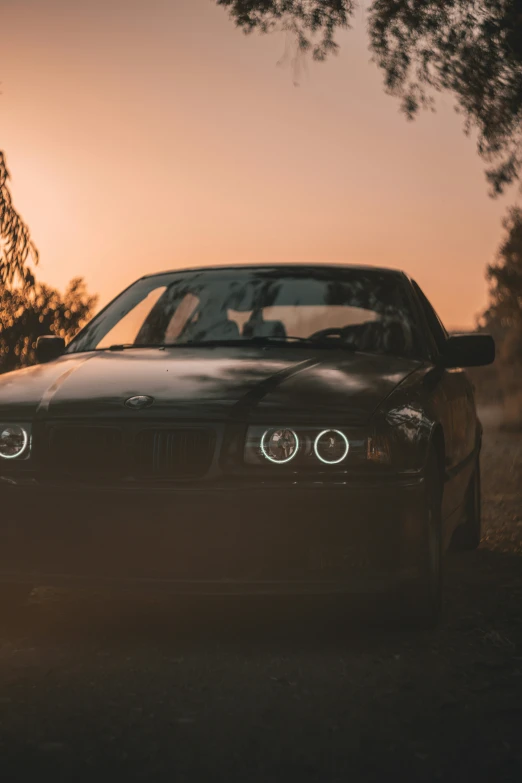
(145, 135)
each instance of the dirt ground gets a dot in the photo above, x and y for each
(98, 688)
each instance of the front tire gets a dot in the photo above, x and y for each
(468, 535)
(421, 600)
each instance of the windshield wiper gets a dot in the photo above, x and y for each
(238, 342)
(128, 346)
(264, 341)
(323, 342)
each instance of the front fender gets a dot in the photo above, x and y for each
(413, 420)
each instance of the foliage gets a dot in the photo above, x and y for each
(503, 319)
(470, 48)
(29, 309)
(28, 313)
(16, 245)
(504, 314)
(313, 21)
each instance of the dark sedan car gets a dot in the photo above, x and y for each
(261, 429)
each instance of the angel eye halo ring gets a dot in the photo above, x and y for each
(334, 450)
(279, 445)
(13, 441)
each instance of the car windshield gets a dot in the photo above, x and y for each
(358, 309)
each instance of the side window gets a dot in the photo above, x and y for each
(435, 324)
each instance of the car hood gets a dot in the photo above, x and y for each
(206, 383)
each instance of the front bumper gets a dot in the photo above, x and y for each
(225, 539)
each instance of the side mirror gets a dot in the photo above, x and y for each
(49, 347)
(468, 350)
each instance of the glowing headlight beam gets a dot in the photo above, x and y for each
(334, 461)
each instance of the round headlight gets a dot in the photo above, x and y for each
(13, 441)
(331, 447)
(279, 445)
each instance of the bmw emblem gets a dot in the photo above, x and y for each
(139, 402)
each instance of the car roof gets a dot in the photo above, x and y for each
(232, 267)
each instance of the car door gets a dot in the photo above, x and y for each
(459, 418)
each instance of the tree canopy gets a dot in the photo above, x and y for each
(504, 315)
(16, 245)
(503, 319)
(469, 48)
(29, 312)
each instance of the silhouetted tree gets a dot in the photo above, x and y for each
(470, 48)
(29, 312)
(16, 245)
(503, 319)
(504, 315)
